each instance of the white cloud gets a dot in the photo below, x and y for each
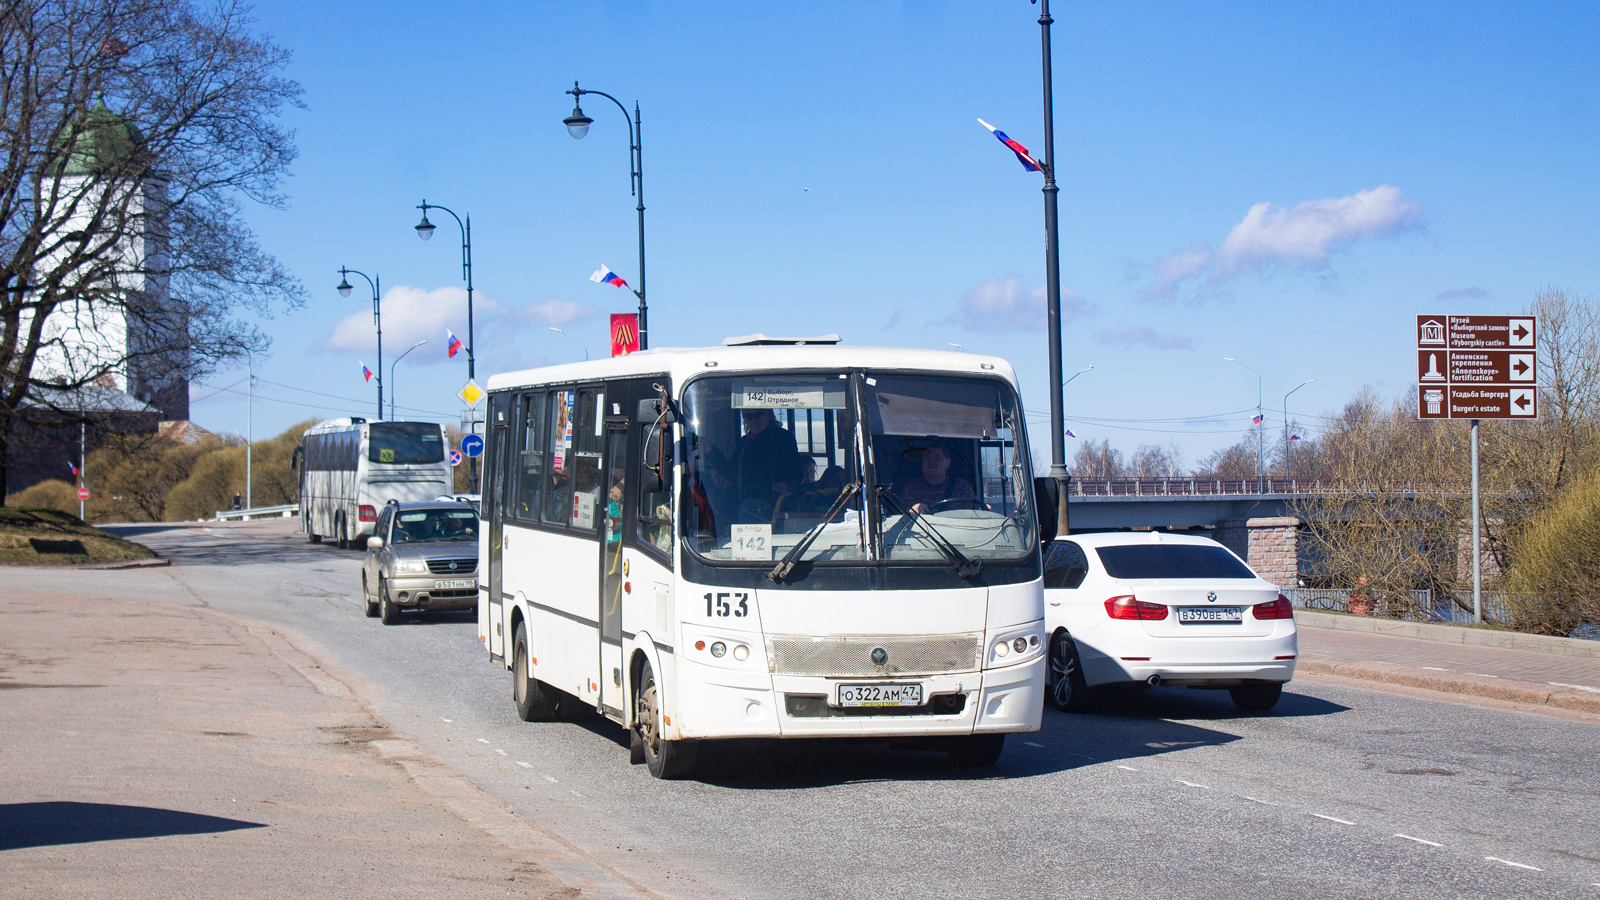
(1148, 337)
(1309, 233)
(1305, 236)
(1004, 304)
(413, 314)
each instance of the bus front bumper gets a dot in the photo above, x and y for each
(715, 703)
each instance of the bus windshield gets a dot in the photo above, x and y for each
(404, 443)
(935, 462)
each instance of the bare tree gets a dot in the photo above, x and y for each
(123, 252)
(1234, 462)
(1156, 461)
(1098, 462)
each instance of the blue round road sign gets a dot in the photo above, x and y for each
(455, 457)
(472, 445)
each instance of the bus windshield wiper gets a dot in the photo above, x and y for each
(966, 568)
(786, 565)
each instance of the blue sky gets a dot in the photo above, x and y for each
(1288, 184)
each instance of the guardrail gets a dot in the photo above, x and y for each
(287, 510)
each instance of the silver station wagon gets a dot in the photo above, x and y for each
(421, 556)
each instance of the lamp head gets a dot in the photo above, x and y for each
(344, 285)
(424, 228)
(577, 123)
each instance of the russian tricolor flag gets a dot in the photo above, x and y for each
(73, 466)
(1294, 437)
(1028, 162)
(1256, 419)
(366, 373)
(453, 346)
(1070, 434)
(604, 275)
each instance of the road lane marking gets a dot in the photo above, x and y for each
(1418, 840)
(1128, 768)
(1032, 744)
(1332, 819)
(1260, 801)
(551, 779)
(1513, 864)
(1190, 783)
(523, 764)
(443, 719)
(482, 741)
(501, 752)
(1577, 687)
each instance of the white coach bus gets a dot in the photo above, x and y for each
(772, 538)
(351, 468)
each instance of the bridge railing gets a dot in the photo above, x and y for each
(1223, 487)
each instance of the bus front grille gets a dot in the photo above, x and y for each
(852, 655)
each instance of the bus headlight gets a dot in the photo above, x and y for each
(1018, 646)
(412, 567)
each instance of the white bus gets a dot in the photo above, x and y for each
(351, 468)
(769, 540)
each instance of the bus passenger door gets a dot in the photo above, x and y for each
(491, 615)
(613, 574)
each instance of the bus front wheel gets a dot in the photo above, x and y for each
(666, 759)
(535, 702)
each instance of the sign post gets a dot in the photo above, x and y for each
(1476, 368)
(471, 394)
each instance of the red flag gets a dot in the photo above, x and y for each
(624, 333)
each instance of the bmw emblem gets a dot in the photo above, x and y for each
(1211, 596)
(880, 656)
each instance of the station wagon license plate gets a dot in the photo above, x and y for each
(855, 695)
(1210, 615)
(445, 584)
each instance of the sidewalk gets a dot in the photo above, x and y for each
(1553, 679)
(155, 751)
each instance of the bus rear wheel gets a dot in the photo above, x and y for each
(535, 701)
(665, 759)
(340, 541)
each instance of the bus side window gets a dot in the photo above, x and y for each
(530, 455)
(558, 484)
(314, 452)
(586, 506)
(655, 507)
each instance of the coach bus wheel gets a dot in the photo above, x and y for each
(1064, 681)
(367, 601)
(388, 611)
(315, 538)
(338, 534)
(976, 749)
(535, 702)
(666, 759)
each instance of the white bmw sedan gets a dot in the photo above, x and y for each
(1131, 608)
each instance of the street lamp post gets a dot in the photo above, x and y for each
(1076, 374)
(1286, 472)
(392, 390)
(578, 126)
(1260, 428)
(425, 231)
(377, 319)
(574, 340)
(1052, 277)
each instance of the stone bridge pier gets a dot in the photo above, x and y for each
(1270, 544)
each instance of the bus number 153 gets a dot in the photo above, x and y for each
(728, 603)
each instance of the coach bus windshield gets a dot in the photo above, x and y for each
(404, 443)
(934, 469)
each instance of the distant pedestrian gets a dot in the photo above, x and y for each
(238, 500)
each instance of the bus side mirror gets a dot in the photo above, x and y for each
(1046, 500)
(294, 458)
(651, 409)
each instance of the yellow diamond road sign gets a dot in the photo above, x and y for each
(471, 393)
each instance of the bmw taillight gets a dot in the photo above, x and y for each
(368, 513)
(1129, 607)
(1280, 608)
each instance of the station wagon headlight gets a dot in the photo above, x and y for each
(412, 567)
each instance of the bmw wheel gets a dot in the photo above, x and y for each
(1064, 681)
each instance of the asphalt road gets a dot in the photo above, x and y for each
(1340, 792)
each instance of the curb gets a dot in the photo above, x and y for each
(1451, 634)
(1490, 687)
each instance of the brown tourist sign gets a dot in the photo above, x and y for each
(1477, 367)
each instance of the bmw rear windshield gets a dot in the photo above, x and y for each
(405, 443)
(1171, 561)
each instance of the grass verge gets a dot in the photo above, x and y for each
(49, 537)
